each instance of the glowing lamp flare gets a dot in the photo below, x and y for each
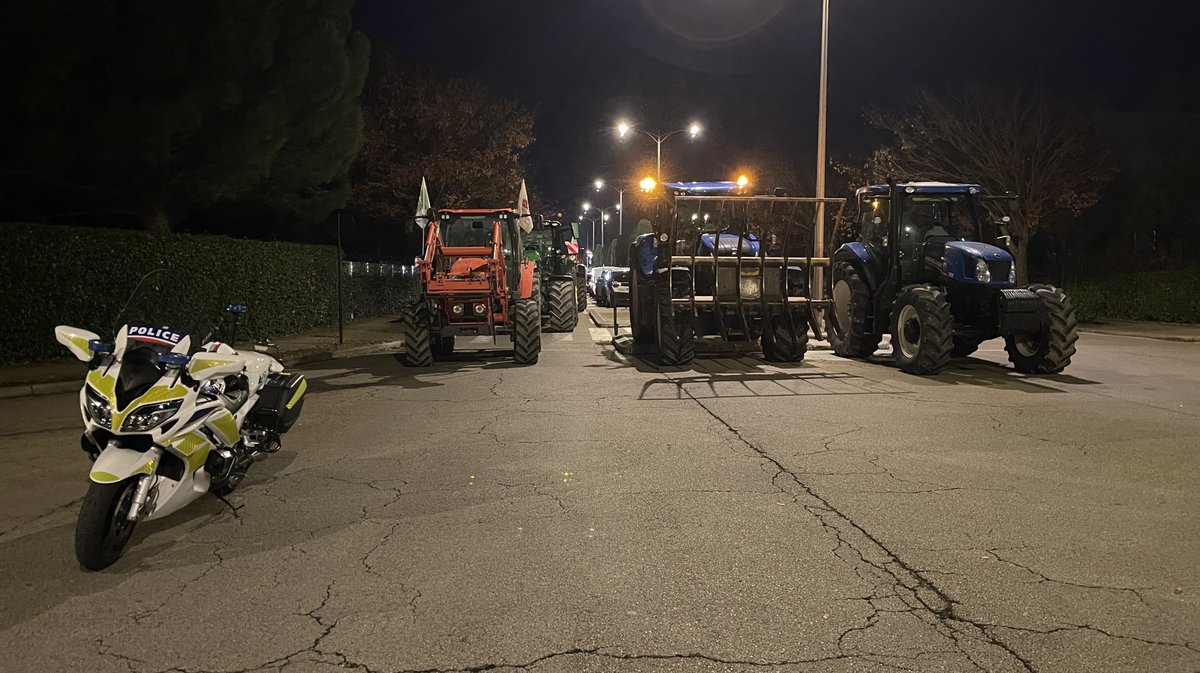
(648, 184)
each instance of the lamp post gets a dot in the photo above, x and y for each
(602, 218)
(599, 183)
(819, 230)
(693, 131)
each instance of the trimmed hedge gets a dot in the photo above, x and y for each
(83, 277)
(1164, 296)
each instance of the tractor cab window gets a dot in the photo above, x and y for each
(873, 214)
(468, 232)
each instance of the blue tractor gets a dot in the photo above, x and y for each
(913, 264)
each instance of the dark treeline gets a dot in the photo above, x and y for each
(253, 118)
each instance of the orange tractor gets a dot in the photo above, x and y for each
(473, 282)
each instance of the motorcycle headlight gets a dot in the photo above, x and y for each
(982, 273)
(97, 409)
(150, 416)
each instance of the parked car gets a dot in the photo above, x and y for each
(594, 275)
(613, 288)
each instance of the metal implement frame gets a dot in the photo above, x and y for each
(813, 264)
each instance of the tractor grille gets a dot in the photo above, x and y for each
(999, 270)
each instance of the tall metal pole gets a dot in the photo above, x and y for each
(658, 172)
(820, 228)
(620, 212)
(341, 334)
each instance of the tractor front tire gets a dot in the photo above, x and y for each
(527, 331)
(418, 347)
(641, 311)
(676, 336)
(851, 304)
(1050, 351)
(922, 330)
(561, 306)
(785, 342)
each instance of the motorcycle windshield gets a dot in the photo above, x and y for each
(170, 311)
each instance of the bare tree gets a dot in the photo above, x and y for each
(1045, 152)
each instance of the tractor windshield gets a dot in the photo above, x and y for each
(468, 232)
(939, 216)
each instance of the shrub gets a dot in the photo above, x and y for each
(1165, 296)
(84, 277)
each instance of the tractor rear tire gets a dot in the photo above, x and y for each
(561, 305)
(785, 342)
(527, 332)
(418, 347)
(676, 338)
(922, 330)
(964, 346)
(443, 346)
(581, 295)
(1050, 351)
(851, 303)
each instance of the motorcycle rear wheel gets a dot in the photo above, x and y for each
(103, 528)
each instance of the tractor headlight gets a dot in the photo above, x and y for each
(1012, 273)
(982, 273)
(480, 309)
(150, 416)
(97, 408)
(457, 309)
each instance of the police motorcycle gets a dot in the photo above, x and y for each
(165, 425)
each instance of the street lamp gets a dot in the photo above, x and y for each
(819, 230)
(693, 131)
(599, 183)
(648, 184)
(603, 217)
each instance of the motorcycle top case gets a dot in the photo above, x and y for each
(279, 402)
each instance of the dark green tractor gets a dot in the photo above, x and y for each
(914, 264)
(560, 280)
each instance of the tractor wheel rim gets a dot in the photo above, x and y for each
(841, 307)
(1027, 344)
(909, 334)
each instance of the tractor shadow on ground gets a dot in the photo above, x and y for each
(974, 371)
(390, 369)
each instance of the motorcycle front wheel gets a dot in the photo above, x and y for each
(104, 528)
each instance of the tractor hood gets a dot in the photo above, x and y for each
(727, 244)
(962, 256)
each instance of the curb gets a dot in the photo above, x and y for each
(1131, 335)
(75, 383)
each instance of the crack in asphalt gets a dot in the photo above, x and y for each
(1045, 579)
(41, 516)
(922, 596)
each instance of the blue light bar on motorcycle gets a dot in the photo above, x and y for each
(236, 308)
(173, 359)
(718, 187)
(100, 346)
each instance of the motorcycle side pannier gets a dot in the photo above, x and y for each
(279, 403)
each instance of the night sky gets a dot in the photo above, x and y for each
(748, 69)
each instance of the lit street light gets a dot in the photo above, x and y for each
(693, 131)
(648, 184)
(599, 183)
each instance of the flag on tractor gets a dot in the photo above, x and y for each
(423, 206)
(524, 219)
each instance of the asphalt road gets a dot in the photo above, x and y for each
(597, 513)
